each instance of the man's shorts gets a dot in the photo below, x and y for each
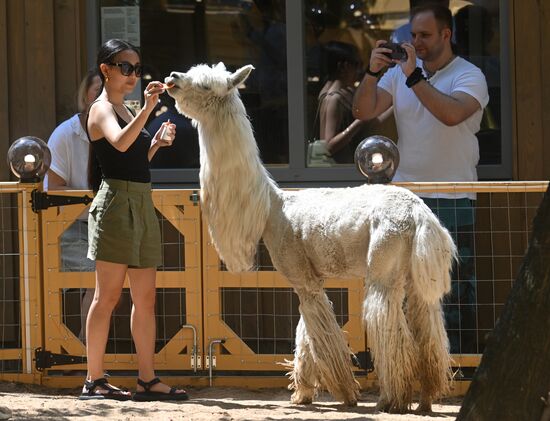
(123, 226)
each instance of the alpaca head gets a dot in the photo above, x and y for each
(203, 88)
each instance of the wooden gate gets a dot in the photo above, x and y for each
(69, 286)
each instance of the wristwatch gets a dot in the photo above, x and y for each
(368, 71)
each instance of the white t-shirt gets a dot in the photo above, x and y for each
(429, 150)
(70, 150)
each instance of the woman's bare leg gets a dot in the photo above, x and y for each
(143, 290)
(109, 281)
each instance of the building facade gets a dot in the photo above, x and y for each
(46, 46)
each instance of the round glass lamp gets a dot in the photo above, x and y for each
(377, 158)
(29, 158)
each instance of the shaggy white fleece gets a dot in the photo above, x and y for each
(384, 234)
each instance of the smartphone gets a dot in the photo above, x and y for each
(397, 52)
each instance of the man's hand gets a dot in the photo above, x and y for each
(408, 66)
(379, 60)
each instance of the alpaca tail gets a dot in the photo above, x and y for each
(430, 279)
(433, 255)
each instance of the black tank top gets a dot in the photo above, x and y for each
(132, 165)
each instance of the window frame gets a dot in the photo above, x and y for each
(296, 173)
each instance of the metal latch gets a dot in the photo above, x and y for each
(195, 197)
(363, 360)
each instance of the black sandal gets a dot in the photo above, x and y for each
(149, 395)
(102, 383)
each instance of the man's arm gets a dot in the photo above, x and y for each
(450, 109)
(369, 100)
(55, 182)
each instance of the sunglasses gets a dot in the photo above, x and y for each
(127, 68)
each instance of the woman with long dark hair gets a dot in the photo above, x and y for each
(337, 126)
(123, 230)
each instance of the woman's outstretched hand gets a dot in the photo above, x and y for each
(151, 94)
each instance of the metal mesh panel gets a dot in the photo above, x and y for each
(503, 225)
(266, 318)
(170, 316)
(173, 245)
(492, 235)
(10, 311)
(11, 366)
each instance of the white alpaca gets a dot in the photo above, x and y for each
(384, 233)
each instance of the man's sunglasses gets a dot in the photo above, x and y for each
(127, 68)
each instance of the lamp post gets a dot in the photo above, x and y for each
(377, 158)
(29, 158)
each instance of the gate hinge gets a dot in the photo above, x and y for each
(46, 359)
(41, 200)
(195, 197)
(364, 360)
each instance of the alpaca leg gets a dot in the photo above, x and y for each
(392, 344)
(328, 347)
(427, 323)
(303, 377)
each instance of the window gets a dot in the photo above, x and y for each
(286, 42)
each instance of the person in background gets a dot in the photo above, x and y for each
(69, 147)
(69, 144)
(438, 101)
(337, 126)
(184, 152)
(124, 233)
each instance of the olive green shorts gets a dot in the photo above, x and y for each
(123, 226)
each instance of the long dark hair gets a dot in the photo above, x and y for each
(334, 54)
(106, 54)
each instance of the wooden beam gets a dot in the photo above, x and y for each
(4, 103)
(68, 70)
(17, 64)
(545, 91)
(40, 70)
(527, 48)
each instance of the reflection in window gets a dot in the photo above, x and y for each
(477, 40)
(177, 34)
(357, 24)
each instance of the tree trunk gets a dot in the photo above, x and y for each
(512, 381)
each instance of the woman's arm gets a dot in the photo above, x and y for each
(102, 121)
(337, 140)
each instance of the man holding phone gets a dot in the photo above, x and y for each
(437, 97)
(438, 101)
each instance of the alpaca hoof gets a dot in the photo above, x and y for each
(390, 408)
(424, 408)
(395, 409)
(382, 406)
(300, 398)
(351, 402)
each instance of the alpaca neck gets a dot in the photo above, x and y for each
(236, 188)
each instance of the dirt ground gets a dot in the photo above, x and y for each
(30, 402)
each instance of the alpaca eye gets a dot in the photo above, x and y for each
(205, 87)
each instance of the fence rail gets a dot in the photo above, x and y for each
(213, 325)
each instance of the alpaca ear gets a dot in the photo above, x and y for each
(239, 76)
(219, 66)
